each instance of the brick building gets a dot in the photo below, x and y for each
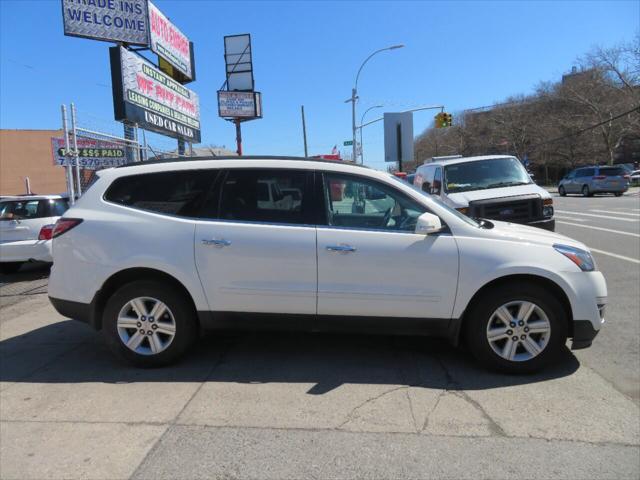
(27, 154)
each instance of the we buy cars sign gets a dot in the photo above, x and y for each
(144, 95)
(169, 42)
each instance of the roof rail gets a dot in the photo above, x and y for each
(235, 157)
(444, 158)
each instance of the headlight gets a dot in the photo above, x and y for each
(547, 207)
(581, 258)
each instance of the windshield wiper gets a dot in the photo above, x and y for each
(507, 184)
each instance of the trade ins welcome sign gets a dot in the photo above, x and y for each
(144, 95)
(124, 21)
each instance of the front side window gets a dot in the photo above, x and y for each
(485, 174)
(355, 202)
(437, 182)
(179, 193)
(270, 196)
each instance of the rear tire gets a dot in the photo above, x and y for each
(586, 192)
(562, 191)
(490, 339)
(10, 267)
(154, 318)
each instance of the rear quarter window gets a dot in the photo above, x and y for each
(178, 193)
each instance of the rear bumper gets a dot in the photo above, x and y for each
(26, 250)
(583, 334)
(83, 312)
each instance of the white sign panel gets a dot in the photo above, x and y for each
(110, 20)
(93, 154)
(146, 96)
(398, 137)
(238, 60)
(239, 104)
(169, 42)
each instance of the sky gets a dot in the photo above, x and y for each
(458, 54)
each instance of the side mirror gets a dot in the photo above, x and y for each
(427, 224)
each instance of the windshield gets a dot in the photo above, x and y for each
(484, 174)
(444, 206)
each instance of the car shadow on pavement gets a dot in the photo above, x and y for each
(27, 273)
(70, 352)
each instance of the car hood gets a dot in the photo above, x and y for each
(462, 199)
(532, 235)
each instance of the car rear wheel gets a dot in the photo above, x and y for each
(562, 191)
(10, 267)
(585, 191)
(516, 329)
(149, 323)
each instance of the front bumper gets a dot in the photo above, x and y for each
(26, 250)
(547, 224)
(583, 334)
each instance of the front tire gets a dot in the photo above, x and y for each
(562, 191)
(516, 328)
(149, 323)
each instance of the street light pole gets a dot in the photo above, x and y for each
(360, 128)
(354, 97)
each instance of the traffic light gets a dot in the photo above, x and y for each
(443, 120)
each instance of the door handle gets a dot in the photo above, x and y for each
(341, 248)
(216, 242)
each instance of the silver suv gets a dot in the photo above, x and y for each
(590, 180)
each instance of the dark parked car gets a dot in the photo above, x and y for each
(590, 180)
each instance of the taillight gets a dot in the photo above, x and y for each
(46, 232)
(63, 225)
(599, 177)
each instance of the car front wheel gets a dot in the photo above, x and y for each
(516, 329)
(149, 323)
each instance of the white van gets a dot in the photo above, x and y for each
(495, 187)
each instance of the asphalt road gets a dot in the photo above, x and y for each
(326, 406)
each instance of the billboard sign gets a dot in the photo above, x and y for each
(144, 95)
(398, 137)
(125, 21)
(238, 62)
(93, 154)
(169, 42)
(239, 104)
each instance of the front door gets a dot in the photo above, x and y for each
(370, 261)
(258, 251)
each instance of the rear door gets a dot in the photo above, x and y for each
(257, 251)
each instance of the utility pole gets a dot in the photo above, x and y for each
(238, 137)
(70, 189)
(304, 132)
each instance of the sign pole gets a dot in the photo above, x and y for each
(238, 136)
(70, 191)
(181, 148)
(304, 132)
(76, 155)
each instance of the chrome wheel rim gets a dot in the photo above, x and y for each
(518, 331)
(146, 326)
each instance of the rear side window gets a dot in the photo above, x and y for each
(178, 193)
(270, 196)
(613, 172)
(58, 206)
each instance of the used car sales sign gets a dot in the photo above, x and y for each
(144, 95)
(169, 42)
(110, 20)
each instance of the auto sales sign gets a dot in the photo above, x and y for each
(169, 42)
(110, 20)
(144, 95)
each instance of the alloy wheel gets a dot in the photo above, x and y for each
(518, 331)
(146, 325)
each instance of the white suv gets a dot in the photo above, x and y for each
(26, 224)
(151, 253)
